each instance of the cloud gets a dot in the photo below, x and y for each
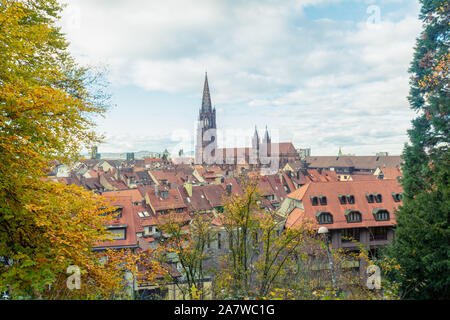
(335, 81)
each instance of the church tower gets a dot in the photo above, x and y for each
(265, 146)
(206, 127)
(255, 140)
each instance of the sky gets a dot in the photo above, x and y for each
(322, 74)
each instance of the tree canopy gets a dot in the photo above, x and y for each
(47, 103)
(422, 237)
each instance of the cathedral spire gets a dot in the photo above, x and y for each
(255, 140)
(266, 136)
(206, 102)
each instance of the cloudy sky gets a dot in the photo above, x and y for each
(323, 74)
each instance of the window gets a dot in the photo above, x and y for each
(342, 199)
(324, 217)
(347, 235)
(323, 200)
(380, 214)
(118, 234)
(370, 198)
(255, 238)
(314, 201)
(116, 214)
(378, 198)
(397, 196)
(350, 199)
(378, 233)
(219, 241)
(353, 216)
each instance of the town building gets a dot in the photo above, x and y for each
(363, 211)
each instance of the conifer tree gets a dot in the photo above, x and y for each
(422, 239)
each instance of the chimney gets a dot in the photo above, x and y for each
(229, 189)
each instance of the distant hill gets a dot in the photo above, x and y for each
(123, 155)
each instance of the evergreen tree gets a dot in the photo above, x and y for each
(422, 239)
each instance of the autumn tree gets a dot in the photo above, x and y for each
(189, 244)
(259, 250)
(47, 103)
(140, 267)
(422, 238)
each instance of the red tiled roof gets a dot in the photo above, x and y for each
(180, 217)
(363, 177)
(142, 222)
(150, 160)
(126, 219)
(143, 189)
(116, 183)
(265, 186)
(214, 193)
(391, 173)
(330, 175)
(288, 181)
(172, 202)
(357, 162)
(358, 189)
(235, 187)
(277, 187)
(196, 202)
(295, 217)
(133, 194)
(299, 178)
(315, 176)
(172, 177)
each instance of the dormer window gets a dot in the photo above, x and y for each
(323, 200)
(314, 201)
(380, 214)
(342, 199)
(324, 217)
(118, 232)
(350, 199)
(370, 198)
(397, 196)
(353, 216)
(165, 194)
(117, 214)
(378, 198)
